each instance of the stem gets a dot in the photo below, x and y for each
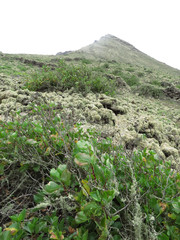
(93, 172)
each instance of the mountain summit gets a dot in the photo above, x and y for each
(111, 48)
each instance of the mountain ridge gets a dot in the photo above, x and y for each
(112, 48)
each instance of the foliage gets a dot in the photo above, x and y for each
(149, 90)
(84, 187)
(80, 78)
(140, 74)
(156, 82)
(178, 86)
(130, 69)
(131, 80)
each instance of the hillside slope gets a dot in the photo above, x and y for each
(52, 108)
(111, 48)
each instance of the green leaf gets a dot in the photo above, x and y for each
(30, 227)
(66, 177)
(55, 174)
(108, 196)
(61, 168)
(52, 187)
(92, 209)
(82, 159)
(13, 228)
(85, 236)
(36, 168)
(163, 236)
(99, 173)
(5, 235)
(38, 130)
(80, 217)
(40, 227)
(85, 188)
(176, 206)
(172, 216)
(114, 218)
(39, 197)
(83, 145)
(96, 195)
(178, 219)
(19, 217)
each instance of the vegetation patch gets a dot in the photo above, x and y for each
(149, 90)
(80, 78)
(83, 186)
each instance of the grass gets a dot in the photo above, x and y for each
(83, 188)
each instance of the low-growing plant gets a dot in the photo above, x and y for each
(140, 74)
(106, 65)
(80, 78)
(131, 80)
(149, 90)
(86, 61)
(148, 71)
(156, 82)
(86, 188)
(130, 69)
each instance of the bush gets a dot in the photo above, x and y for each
(149, 90)
(140, 74)
(156, 82)
(178, 86)
(130, 69)
(131, 80)
(85, 188)
(80, 78)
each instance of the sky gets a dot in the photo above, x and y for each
(51, 26)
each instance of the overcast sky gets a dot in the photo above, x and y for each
(51, 26)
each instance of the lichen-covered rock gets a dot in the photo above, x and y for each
(107, 116)
(23, 99)
(112, 104)
(129, 139)
(169, 150)
(7, 94)
(94, 116)
(151, 144)
(151, 128)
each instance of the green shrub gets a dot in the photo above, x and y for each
(131, 80)
(178, 86)
(140, 74)
(86, 61)
(156, 82)
(80, 78)
(130, 69)
(149, 90)
(148, 71)
(86, 187)
(117, 72)
(106, 65)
